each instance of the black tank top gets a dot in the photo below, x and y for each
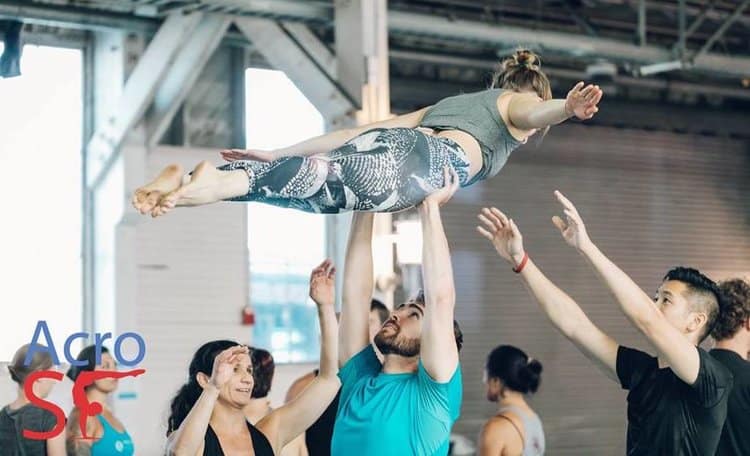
(261, 445)
(318, 436)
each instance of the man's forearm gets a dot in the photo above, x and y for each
(357, 288)
(436, 260)
(358, 266)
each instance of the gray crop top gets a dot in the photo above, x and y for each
(476, 114)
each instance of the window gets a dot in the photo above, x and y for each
(40, 234)
(284, 244)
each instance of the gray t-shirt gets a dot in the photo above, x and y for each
(12, 424)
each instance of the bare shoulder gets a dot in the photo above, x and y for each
(504, 429)
(498, 426)
(504, 101)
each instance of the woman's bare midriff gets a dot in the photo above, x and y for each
(468, 144)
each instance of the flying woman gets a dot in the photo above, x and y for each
(385, 166)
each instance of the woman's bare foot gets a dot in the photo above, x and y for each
(146, 198)
(207, 185)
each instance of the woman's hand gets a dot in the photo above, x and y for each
(224, 365)
(581, 102)
(503, 233)
(441, 196)
(323, 284)
(572, 229)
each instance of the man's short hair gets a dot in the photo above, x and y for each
(735, 310)
(703, 295)
(263, 370)
(458, 335)
(381, 309)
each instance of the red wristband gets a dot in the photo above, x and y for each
(522, 265)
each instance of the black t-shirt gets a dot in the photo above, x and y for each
(12, 424)
(666, 416)
(735, 438)
(318, 436)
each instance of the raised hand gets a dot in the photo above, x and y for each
(503, 233)
(247, 154)
(323, 284)
(224, 364)
(450, 186)
(572, 228)
(582, 102)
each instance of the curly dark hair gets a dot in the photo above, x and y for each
(736, 308)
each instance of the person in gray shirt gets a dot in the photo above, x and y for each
(21, 414)
(510, 374)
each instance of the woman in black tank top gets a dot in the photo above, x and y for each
(208, 410)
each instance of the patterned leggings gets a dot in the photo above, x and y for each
(381, 170)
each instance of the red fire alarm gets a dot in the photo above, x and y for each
(248, 316)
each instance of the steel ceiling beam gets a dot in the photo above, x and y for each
(285, 54)
(183, 73)
(723, 28)
(137, 94)
(571, 44)
(627, 81)
(413, 24)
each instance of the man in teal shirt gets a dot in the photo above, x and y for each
(407, 404)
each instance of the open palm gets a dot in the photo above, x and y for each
(323, 284)
(572, 228)
(503, 233)
(582, 101)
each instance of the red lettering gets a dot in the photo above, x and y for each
(86, 409)
(28, 388)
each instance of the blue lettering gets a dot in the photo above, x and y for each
(41, 327)
(69, 356)
(141, 349)
(98, 339)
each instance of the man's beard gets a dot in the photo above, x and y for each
(390, 345)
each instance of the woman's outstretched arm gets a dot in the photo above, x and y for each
(324, 143)
(526, 111)
(292, 419)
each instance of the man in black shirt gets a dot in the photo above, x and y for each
(732, 335)
(678, 400)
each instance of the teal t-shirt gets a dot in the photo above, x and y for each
(393, 414)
